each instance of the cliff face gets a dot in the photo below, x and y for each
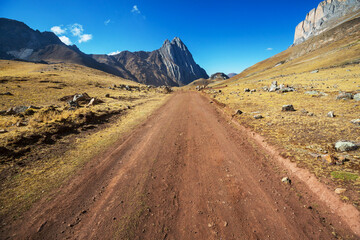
(324, 17)
(179, 62)
(171, 65)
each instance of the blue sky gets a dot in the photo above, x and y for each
(223, 36)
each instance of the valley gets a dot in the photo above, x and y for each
(147, 145)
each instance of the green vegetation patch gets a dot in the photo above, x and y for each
(344, 175)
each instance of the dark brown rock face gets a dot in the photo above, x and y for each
(171, 65)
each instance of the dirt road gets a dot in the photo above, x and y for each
(186, 173)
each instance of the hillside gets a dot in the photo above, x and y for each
(56, 117)
(320, 78)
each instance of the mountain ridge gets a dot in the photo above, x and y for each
(327, 14)
(171, 65)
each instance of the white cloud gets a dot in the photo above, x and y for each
(65, 40)
(85, 37)
(269, 49)
(107, 22)
(58, 30)
(135, 9)
(114, 53)
(76, 29)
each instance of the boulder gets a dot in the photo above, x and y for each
(331, 114)
(16, 110)
(3, 131)
(356, 121)
(288, 108)
(286, 89)
(84, 97)
(357, 97)
(328, 158)
(340, 190)
(273, 86)
(246, 90)
(344, 96)
(315, 71)
(312, 92)
(286, 180)
(258, 116)
(344, 146)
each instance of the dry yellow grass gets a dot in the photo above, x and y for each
(298, 133)
(43, 85)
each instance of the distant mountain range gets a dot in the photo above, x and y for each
(171, 65)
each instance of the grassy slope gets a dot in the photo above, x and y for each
(26, 179)
(296, 132)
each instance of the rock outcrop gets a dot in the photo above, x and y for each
(327, 15)
(171, 65)
(219, 76)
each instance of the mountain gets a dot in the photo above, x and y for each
(327, 15)
(172, 64)
(18, 41)
(219, 76)
(230, 75)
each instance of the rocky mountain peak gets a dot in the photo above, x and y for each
(327, 15)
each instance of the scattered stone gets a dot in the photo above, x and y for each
(253, 90)
(107, 95)
(344, 96)
(357, 97)
(226, 224)
(20, 124)
(286, 180)
(286, 89)
(84, 97)
(265, 88)
(344, 146)
(288, 108)
(330, 159)
(356, 121)
(331, 114)
(3, 131)
(246, 90)
(41, 227)
(315, 71)
(258, 116)
(91, 103)
(7, 94)
(304, 111)
(73, 104)
(29, 111)
(237, 112)
(312, 92)
(273, 86)
(340, 190)
(16, 110)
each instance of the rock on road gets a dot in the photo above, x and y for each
(185, 173)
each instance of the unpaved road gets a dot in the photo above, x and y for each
(186, 173)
